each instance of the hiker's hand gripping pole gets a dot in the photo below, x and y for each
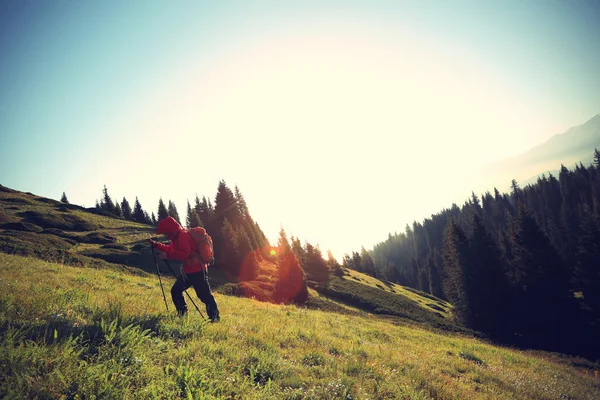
(159, 278)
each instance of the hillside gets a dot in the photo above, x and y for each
(82, 315)
(49, 230)
(81, 332)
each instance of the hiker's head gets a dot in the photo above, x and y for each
(169, 227)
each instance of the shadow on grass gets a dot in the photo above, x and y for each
(59, 329)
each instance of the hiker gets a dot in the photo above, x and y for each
(194, 272)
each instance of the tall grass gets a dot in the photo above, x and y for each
(69, 332)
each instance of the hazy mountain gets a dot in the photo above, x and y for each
(569, 148)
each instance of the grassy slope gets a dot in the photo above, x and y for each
(332, 348)
(69, 331)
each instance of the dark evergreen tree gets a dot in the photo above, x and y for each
(117, 210)
(240, 202)
(106, 203)
(153, 219)
(227, 256)
(368, 265)
(486, 281)
(139, 214)
(357, 262)
(586, 278)
(126, 209)
(315, 266)
(298, 250)
(64, 199)
(172, 210)
(435, 275)
(541, 281)
(147, 218)
(422, 277)
(204, 212)
(189, 218)
(455, 249)
(225, 205)
(162, 210)
(348, 262)
(248, 260)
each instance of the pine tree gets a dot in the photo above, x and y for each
(435, 275)
(64, 199)
(228, 257)
(455, 259)
(586, 278)
(147, 218)
(138, 213)
(106, 202)
(597, 158)
(153, 219)
(422, 277)
(196, 221)
(162, 210)
(367, 262)
(298, 250)
(291, 281)
(204, 211)
(240, 202)
(189, 219)
(248, 260)
(357, 262)
(126, 209)
(225, 205)
(516, 193)
(542, 282)
(118, 211)
(316, 267)
(173, 212)
(486, 281)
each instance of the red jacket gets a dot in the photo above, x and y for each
(182, 246)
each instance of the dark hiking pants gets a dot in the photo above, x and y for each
(199, 280)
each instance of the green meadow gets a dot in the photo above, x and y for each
(82, 317)
(77, 332)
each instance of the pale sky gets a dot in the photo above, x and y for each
(341, 121)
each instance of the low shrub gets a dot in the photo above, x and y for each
(115, 246)
(21, 226)
(99, 238)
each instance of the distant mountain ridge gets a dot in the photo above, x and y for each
(576, 142)
(571, 147)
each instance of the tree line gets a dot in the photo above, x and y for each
(523, 267)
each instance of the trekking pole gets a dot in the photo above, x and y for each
(185, 291)
(159, 278)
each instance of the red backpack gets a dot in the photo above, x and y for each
(204, 244)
